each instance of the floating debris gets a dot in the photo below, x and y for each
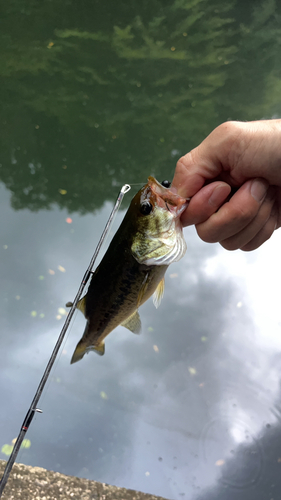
(51, 271)
(42, 315)
(219, 463)
(5, 247)
(41, 277)
(156, 349)
(62, 191)
(17, 297)
(26, 443)
(33, 314)
(62, 311)
(50, 45)
(192, 371)
(68, 220)
(61, 269)
(8, 448)
(103, 395)
(150, 329)
(147, 473)
(173, 275)
(204, 339)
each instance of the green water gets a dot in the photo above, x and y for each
(115, 91)
(94, 95)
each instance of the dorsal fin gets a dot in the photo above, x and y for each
(133, 323)
(159, 292)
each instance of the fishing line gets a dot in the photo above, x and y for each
(33, 407)
(131, 184)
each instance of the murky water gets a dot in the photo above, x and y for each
(94, 95)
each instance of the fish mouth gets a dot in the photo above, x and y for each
(167, 199)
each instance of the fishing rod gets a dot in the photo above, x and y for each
(33, 407)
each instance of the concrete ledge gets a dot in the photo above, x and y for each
(35, 483)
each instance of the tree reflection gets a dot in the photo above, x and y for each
(91, 99)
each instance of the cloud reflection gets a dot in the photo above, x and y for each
(189, 417)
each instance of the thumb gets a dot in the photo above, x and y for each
(192, 171)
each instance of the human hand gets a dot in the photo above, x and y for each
(244, 156)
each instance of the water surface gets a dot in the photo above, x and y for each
(93, 96)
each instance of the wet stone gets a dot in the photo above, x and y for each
(26, 483)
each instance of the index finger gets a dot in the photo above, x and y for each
(236, 214)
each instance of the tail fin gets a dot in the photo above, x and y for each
(82, 348)
(79, 352)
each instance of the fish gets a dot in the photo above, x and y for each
(147, 241)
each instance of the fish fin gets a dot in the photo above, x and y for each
(79, 352)
(133, 323)
(99, 349)
(81, 304)
(142, 290)
(159, 292)
(82, 348)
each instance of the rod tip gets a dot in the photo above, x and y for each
(125, 188)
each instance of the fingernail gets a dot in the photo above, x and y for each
(259, 188)
(218, 195)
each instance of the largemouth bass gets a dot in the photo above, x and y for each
(148, 240)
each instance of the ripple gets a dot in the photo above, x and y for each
(239, 465)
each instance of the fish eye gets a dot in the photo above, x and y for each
(166, 184)
(146, 208)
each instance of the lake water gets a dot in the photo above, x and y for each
(95, 95)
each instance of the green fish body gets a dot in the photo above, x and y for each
(147, 241)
